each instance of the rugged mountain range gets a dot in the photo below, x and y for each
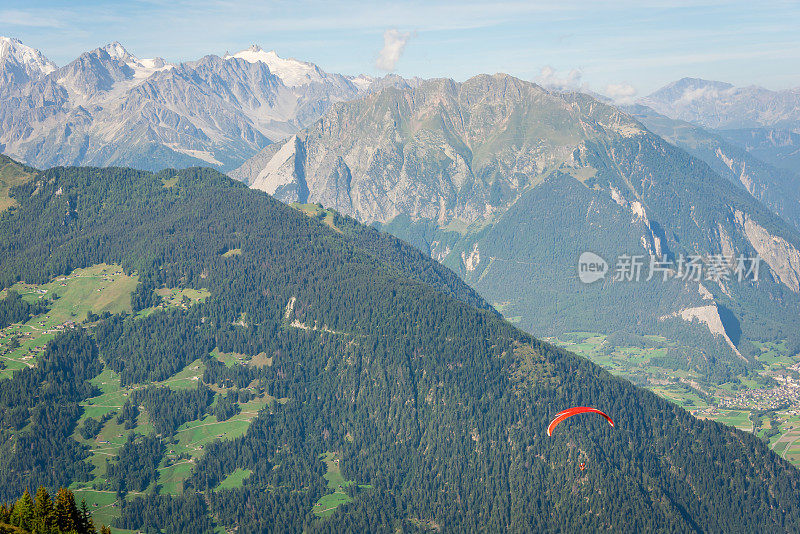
(723, 106)
(109, 107)
(443, 165)
(508, 184)
(778, 188)
(321, 385)
(765, 123)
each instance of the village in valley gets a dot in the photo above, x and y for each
(766, 404)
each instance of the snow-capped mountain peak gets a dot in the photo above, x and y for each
(117, 51)
(110, 107)
(142, 68)
(362, 81)
(20, 63)
(293, 73)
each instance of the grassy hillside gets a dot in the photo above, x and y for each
(305, 383)
(11, 174)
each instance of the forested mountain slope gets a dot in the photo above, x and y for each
(429, 413)
(777, 188)
(508, 184)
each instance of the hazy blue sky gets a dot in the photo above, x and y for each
(641, 43)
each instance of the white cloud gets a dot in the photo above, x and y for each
(621, 93)
(550, 78)
(701, 93)
(14, 17)
(394, 42)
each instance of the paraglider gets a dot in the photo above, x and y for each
(583, 466)
(569, 412)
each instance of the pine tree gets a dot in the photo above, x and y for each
(22, 516)
(5, 513)
(86, 525)
(41, 516)
(44, 517)
(67, 517)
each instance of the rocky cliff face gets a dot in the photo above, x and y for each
(441, 151)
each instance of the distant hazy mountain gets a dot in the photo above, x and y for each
(736, 122)
(780, 148)
(109, 107)
(763, 122)
(508, 184)
(723, 151)
(720, 105)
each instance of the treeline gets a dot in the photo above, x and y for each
(44, 515)
(91, 426)
(408, 261)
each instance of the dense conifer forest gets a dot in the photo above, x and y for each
(436, 408)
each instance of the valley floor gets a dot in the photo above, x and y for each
(767, 405)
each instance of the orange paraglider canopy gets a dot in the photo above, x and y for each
(569, 412)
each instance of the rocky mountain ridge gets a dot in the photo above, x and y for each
(109, 107)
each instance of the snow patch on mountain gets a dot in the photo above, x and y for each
(29, 63)
(362, 82)
(142, 68)
(117, 51)
(293, 73)
(26, 55)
